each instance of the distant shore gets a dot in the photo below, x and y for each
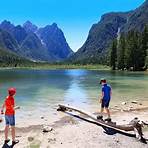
(61, 66)
(65, 66)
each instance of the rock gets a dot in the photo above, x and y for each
(140, 103)
(18, 136)
(50, 140)
(123, 103)
(84, 102)
(42, 117)
(122, 110)
(130, 108)
(134, 102)
(47, 129)
(30, 139)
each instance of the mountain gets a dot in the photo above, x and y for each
(38, 44)
(7, 41)
(32, 48)
(29, 27)
(9, 58)
(137, 19)
(7, 26)
(19, 33)
(95, 48)
(53, 38)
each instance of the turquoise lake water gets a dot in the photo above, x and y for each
(39, 90)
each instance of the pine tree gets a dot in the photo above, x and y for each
(129, 52)
(113, 54)
(121, 52)
(132, 53)
(144, 47)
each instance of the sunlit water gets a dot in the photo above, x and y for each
(39, 91)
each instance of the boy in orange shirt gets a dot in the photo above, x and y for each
(9, 106)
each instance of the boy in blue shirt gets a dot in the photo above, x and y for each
(105, 99)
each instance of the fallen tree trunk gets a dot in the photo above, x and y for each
(124, 129)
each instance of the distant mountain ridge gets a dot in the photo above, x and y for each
(95, 48)
(53, 38)
(29, 27)
(34, 43)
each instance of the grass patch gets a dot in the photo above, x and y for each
(59, 66)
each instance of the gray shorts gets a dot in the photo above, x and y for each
(10, 120)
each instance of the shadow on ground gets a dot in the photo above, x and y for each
(107, 130)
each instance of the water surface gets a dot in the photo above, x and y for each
(39, 91)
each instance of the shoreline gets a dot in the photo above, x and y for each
(70, 131)
(57, 117)
(62, 66)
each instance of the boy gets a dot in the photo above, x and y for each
(9, 106)
(105, 100)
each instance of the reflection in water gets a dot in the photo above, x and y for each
(75, 95)
(42, 89)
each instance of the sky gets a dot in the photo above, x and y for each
(74, 17)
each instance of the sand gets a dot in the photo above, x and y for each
(71, 132)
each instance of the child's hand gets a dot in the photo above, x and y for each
(2, 112)
(100, 101)
(1, 120)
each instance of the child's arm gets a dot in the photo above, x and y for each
(16, 107)
(100, 100)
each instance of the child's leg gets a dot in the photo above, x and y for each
(13, 132)
(108, 112)
(6, 132)
(14, 141)
(102, 107)
(101, 112)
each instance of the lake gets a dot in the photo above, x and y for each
(39, 91)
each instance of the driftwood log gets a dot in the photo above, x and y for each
(126, 129)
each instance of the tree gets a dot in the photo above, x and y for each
(113, 54)
(144, 47)
(132, 53)
(121, 52)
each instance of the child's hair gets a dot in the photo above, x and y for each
(11, 91)
(102, 80)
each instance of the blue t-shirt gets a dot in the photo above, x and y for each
(106, 89)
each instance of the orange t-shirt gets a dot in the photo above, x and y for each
(9, 104)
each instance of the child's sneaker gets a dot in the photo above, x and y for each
(108, 120)
(100, 117)
(15, 142)
(6, 141)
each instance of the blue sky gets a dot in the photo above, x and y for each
(74, 17)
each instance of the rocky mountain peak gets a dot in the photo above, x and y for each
(29, 27)
(7, 26)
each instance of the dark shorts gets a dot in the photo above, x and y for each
(10, 120)
(105, 103)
